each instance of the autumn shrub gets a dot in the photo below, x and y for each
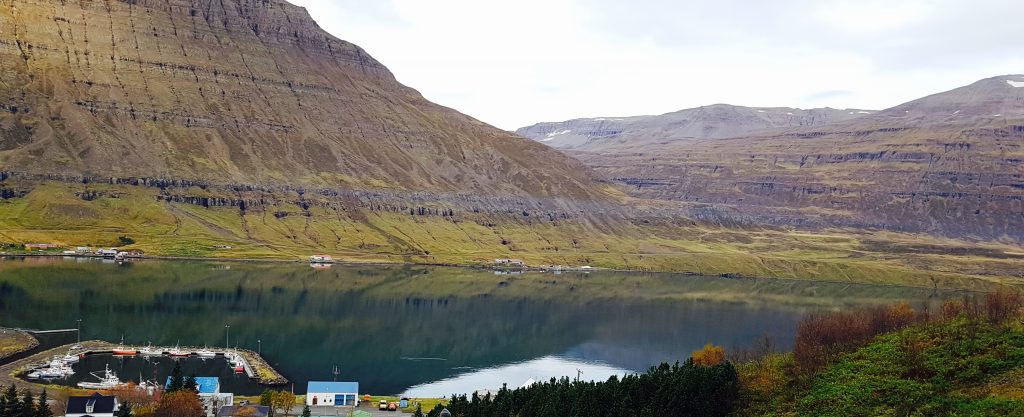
(951, 309)
(709, 355)
(1002, 304)
(821, 337)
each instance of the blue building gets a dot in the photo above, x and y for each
(325, 393)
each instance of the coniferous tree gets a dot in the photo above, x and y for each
(306, 412)
(9, 401)
(43, 406)
(418, 413)
(24, 407)
(190, 384)
(177, 381)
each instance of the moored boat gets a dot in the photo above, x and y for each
(321, 259)
(121, 350)
(206, 353)
(107, 381)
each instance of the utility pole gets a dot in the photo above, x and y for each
(79, 330)
(227, 336)
(259, 347)
(579, 373)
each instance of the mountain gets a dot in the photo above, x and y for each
(707, 122)
(950, 164)
(240, 129)
(238, 92)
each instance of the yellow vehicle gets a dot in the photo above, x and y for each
(383, 406)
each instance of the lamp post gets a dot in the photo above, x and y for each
(259, 347)
(227, 336)
(79, 330)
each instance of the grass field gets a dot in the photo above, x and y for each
(54, 213)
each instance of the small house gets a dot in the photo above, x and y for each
(337, 394)
(95, 405)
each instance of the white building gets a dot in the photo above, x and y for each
(337, 394)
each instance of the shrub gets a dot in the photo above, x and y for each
(1002, 305)
(710, 355)
(125, 240)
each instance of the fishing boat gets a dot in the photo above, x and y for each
(107, 381)
(70, 358)
(120, 350)
(178, 353)
(55, 369)
(150, 351)
(206, 353)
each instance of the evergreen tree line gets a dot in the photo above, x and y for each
(25, 405)
(676, 390)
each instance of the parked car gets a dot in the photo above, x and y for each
(383, 406)
(392, 406)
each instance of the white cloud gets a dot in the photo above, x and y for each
(517, 63)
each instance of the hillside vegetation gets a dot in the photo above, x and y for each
(458, 233)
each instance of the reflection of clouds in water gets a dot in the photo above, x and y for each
(514, 375)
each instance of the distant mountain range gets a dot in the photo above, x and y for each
(950, 164)
(708, 122)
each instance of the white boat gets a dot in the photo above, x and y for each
(55, 369)
(206, 353)
(107, 381)
(321, 259)
(70, 358)
(177, 352)
(150, 351)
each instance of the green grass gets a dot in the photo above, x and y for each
(959, 368)
(54, 213)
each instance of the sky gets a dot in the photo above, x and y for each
(516, 63)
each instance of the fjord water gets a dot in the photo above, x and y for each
(428, 331)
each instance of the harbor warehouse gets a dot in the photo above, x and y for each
(332, 393)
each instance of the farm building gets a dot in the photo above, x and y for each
(324, 393)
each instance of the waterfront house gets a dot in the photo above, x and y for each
(244, 411)
(326, 393)
(95, 405)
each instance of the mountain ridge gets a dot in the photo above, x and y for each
(705, 122)
(240, 91)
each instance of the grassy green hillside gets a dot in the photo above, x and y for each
(58, 213)
(969, 363)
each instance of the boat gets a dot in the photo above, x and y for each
(321, 259)
(149, 351)
(107, 381)
(70, 358)
(206, 353)
(178, 353)
(120, 350)
(57, 368)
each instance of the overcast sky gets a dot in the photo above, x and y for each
(515, 63)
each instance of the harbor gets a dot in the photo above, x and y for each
(60, 365)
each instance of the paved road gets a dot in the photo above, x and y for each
(344, 411)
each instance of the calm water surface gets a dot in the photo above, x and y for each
(426, 331)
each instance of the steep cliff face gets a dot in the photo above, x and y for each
(948, 164)
(708, 122)
(238, 92)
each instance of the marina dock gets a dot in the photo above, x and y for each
(254, 366)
